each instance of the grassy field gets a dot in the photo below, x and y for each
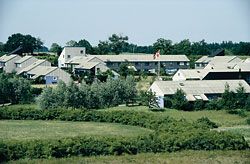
(29, 129)
(184, 157)
(222, 118)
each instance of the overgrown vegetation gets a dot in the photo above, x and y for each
(14, 89)
(170, 135)
(95, 96)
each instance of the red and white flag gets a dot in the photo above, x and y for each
(157, 54)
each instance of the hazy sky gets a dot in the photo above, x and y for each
(142, 20)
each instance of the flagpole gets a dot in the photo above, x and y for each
(158, 69)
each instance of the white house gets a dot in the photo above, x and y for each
(68, 53)
(51, 75)
(24, 62)
(37, 63)
(195, 90)
(217, 60)
(7, 62)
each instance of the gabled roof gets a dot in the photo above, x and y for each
(128, 57)
(6, 58)
(193, 73)
(80, 59)
(141, 58)
(41, 71)
(199, 88)
(23, 59)
(32, 66)
(216, 59)
(87, 65)
(247, 60)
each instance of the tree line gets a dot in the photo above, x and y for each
(117, 44)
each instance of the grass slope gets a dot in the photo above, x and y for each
(184, 157)
(29, 129)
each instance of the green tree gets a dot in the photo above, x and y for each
(56, 48)
(228, 98)
(165, 46)
(124, 69)
(117, 43)
(240, 96)
(26, 42)
(183, 47)
(72, 43)
(103, 47)
(179, 100)
(87, 45)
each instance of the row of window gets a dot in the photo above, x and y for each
(150, 63)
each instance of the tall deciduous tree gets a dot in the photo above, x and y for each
(117, 43)
(27, 42)
(165, 46)
(72, 43)
(56, 48)
(87, 45)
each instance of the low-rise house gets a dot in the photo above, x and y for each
(141, 62)
(93, 67)
(217, 60)
(48, 74)
(240, 72)
(195, 90)
(68, 53)
(7, 62)
(24, 62)
(37, 63)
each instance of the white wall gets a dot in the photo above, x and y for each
(68, 53)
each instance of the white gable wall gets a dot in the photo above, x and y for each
(10, 65)
(68, 53)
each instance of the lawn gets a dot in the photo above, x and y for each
(30, 129)
(221, 117)
(183, 157)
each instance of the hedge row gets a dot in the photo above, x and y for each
(170, 135)
(87, 146)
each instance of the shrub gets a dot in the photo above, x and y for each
(205, 122)
(248, 121)
(199, 105)
(213, 105)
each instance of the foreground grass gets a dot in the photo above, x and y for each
(29, 129)
(221, 117)
(184, 157)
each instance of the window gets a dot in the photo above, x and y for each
(197, 97)
(68, 56)
(81, 51)
(55, 78)
(146, 64)
(181, 63)
(18, 65)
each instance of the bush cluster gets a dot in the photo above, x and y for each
(14, 89)
(95, 96)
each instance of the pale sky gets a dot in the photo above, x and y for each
(143, 21)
